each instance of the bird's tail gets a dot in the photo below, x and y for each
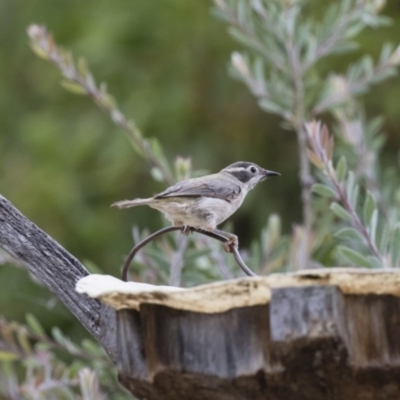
(131, 203)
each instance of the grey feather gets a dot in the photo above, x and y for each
(131, 203)
(207, 186)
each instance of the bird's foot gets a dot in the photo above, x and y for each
(233, 241)
(186, 229)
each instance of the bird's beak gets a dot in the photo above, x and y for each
(271, 173)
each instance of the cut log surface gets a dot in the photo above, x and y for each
(316, 334)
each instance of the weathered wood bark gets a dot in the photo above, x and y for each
(330, 334)
(57, 269)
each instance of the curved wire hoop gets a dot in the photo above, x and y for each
(144, 242)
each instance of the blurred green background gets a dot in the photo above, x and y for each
(62, 162)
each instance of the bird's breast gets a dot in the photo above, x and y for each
(202, 212)
(219, 208)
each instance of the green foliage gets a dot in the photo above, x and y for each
(340, 212)
(323, 190)
(369, 208)
(44, 373)
(282, 70)
(353, 256)
(79, 80)
(371, 228)
(286, 47)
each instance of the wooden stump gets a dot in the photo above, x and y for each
(318, 334)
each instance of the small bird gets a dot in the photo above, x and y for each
(205, 202)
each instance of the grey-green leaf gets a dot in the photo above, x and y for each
(339, 211)
(354, 256)
(156, 173)
(323, 190)
(386, 235)
(73, 87)
(369, 207)
(395, 247)
(58, 335)
(350, 184)
(35, 325)
(354, 195)
(341, 168)
(373, 225)
(24, 342)
(374, 262)
(349, 234)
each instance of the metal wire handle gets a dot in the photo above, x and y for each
(223, 239)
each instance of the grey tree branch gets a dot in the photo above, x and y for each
(80, 80)
(52, 265)
(298, 121)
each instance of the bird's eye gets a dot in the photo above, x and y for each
(253, 170)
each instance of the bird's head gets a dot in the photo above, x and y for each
(248, 173)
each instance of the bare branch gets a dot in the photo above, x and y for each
(52, 265)
(80, 80)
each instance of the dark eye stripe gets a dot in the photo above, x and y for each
(242, 176)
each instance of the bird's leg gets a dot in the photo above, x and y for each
(186, 229)
(232, 240)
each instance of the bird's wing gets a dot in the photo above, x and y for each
(204, 186)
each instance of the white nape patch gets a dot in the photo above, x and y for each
(238, 169)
